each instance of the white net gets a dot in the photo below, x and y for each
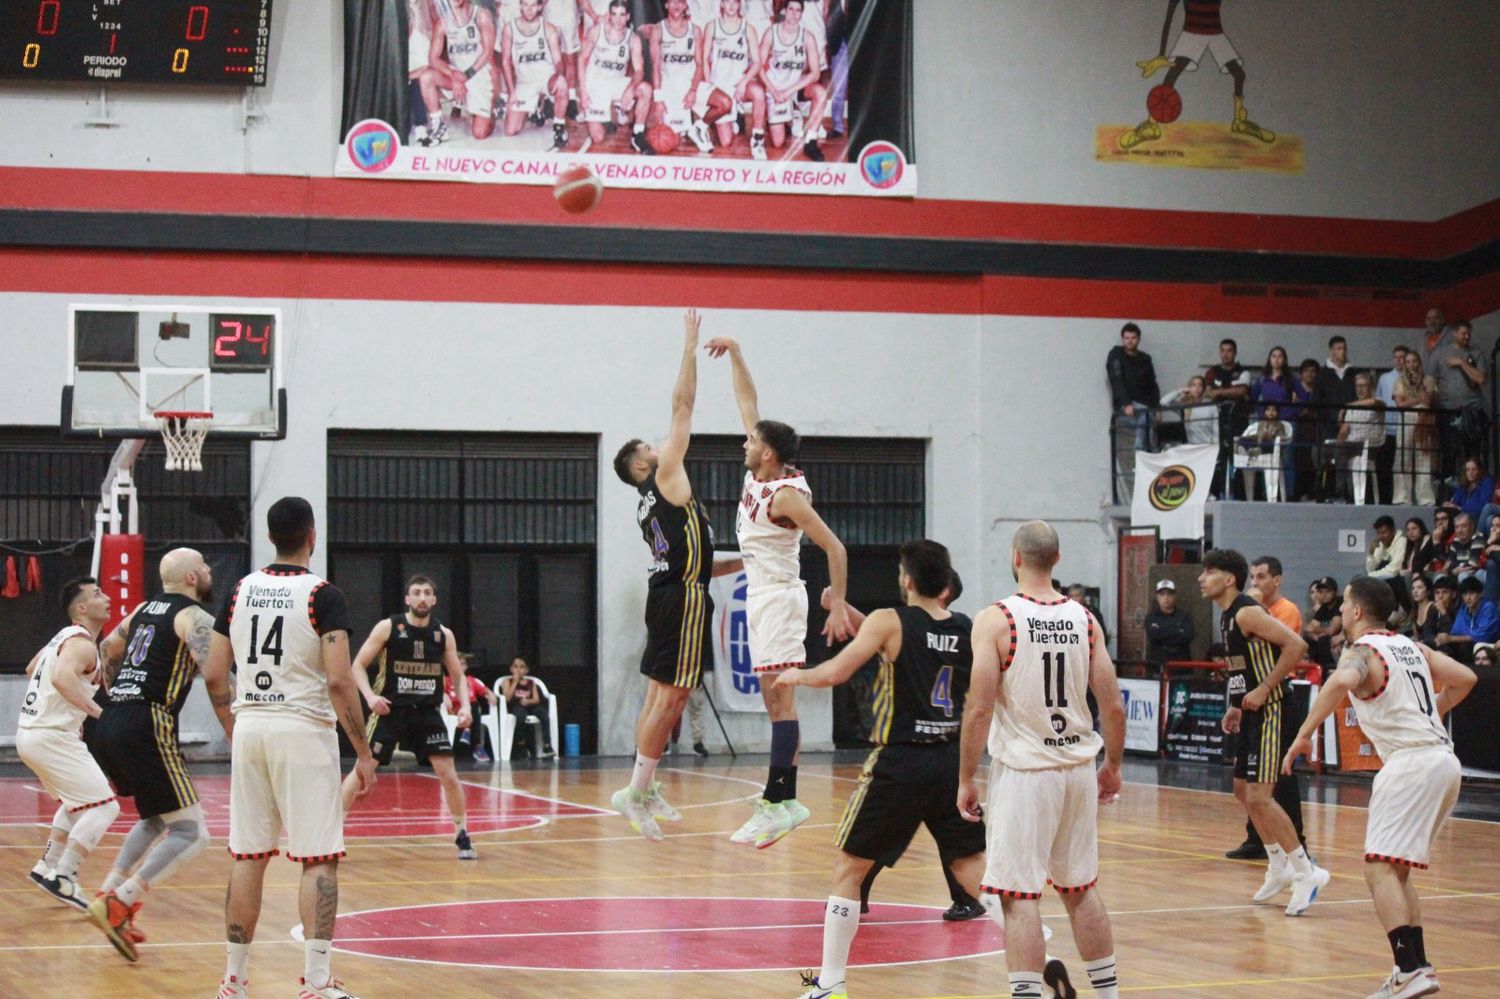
(183, 435)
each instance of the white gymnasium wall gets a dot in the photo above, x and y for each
(1015, 432)
(1388, 96)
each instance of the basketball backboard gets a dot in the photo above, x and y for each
(128, 362)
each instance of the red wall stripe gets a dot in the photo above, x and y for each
(103, 272)
(238, 194)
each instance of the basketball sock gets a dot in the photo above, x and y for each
(559, 121)
(132, 891)
(638, 128)
(1299, 861)
(1418, 945)
(1275, 857)
(840, 923)
(57, 839)
(434, 119)
(1025, 985)
(645, 769)
(1101, 972)
(239, 959)
(316, 961)
(781, 785)
(1403, 950)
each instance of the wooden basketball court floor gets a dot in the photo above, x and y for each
(566, 901)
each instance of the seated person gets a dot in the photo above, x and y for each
(482, 700)
(1324, 629)
(1198, 414)
(1476, 622)
(1465, 553)
(1484, 655)
(1261, 436)
(1437, 630)
(523, 700)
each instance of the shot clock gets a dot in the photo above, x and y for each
(136, 41)
(241, 342)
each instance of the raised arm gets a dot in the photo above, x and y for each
(793, 505)
(671, 475)
(1352, 673)
(991, 633)
(881, 633)
(744, 385)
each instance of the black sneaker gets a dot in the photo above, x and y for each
(700, 749)
(639, 144)
(835, 133)
(559, 137)
(1247, 850)
(961, 912)
(811, 151)
(1055, 977)
(610, 128)
(466, 849)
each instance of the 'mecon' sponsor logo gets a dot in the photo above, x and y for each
(1172, 487)
(372, 145)
(881, 165)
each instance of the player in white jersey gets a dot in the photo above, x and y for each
(60, 685)
(531, 68)
(286, 631)
(731, 64)
(791, 66)
(563, 15)
(677, 68)
(775, 510)
(613, 78)
(461, 68)
(1047, 654)
(1391, 682)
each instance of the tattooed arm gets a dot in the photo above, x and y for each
(1358, 669)
(344, 694)
(112, 649)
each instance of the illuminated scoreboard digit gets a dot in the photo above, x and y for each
(136, 41)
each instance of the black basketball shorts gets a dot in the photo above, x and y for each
(136, 745)
(679, 636)
(419, 729)
(1259, 745)
(902, 787)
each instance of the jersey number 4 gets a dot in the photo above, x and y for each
(942, 691)
(270, 647)
(658, 539)
(1054, 679)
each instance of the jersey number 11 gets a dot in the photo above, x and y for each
(1053, 678)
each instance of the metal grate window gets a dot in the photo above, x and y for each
(870, 491)
(480, 489)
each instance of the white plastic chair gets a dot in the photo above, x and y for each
(1268, 464)
(1360, 467)
(508, 721)
(490, 721)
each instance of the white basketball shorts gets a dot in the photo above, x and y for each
(778, 627)
(603, 96)
(64, 766)
(1192, 47)
(1043, 829)
(479, 94)
(284, 774)
(1413, 793)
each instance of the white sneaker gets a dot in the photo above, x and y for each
(757, 148)
(1278, 880)
(784, 817)
(1305, 890)
(40, 873)
(797, 125)
(658, 806)
(232, 988)
(333, 990)
(1422, 982)
(755, 825)
(817, 991)
(64, 888)
(698, 132)
(634, 806)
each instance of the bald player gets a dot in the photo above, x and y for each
(153, 656)
(1037, 656)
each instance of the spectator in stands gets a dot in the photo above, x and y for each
(1261, 436)
(1475, 489)
(1419, 551)
(1199, 415)
(1442, 528)
(1265, 576)
(1385, 391)
(1388, 552)
(1465, 552)
(1229, 386)
(1439, 624)
(1460, 379)
(1169, 631)
(524, 700)
(1337, 376)
(1417, 440)
(1132, 384)
(1422, 607)
(1276, 380)
(483, 700)
(1361, 427)
(1324, 630)
(1079, 594)
(1311, 420)
(1476, 621)
(1484, 655)
(1436, 333)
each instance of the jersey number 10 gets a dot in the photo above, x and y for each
(1054, 678)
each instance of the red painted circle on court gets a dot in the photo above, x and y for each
(654, 934)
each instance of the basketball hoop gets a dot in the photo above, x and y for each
(183, 432)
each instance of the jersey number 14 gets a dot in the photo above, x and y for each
(270, 647)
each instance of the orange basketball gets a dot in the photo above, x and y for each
(578, 189)
(1164, 104)
(662, 138)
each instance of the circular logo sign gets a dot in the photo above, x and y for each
(1172, 487)
(882, 165)
(263, 680)
(372, 145)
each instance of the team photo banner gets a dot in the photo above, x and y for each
(780, 96)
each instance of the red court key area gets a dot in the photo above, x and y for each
(654, 934)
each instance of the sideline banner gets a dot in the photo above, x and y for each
(791, 97)
(736, 687)
(1171, 489)
(1142, 702)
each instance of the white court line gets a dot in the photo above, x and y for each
(727, 928)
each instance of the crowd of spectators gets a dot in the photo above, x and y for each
(1411, 425)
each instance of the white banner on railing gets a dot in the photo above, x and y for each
(1171, 489)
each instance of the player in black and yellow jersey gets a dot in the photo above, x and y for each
(412, 650)
(153, 654)
(1261, 654)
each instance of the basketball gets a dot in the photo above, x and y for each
(578, 190)
(1164, 104)
(662, 138)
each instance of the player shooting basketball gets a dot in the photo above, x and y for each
(1201, 31)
